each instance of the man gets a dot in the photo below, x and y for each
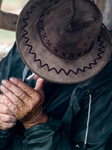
(68, 47)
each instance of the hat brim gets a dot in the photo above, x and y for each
(49, 66)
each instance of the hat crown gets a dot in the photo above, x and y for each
(70, 29)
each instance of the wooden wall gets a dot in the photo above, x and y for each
(8, 20)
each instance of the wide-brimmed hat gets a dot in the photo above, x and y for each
(63, 41)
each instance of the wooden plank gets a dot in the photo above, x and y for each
(9, 21)
(0, 3)
(100, 4)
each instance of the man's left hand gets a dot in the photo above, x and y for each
(25, 102)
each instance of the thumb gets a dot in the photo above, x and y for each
(39, 84)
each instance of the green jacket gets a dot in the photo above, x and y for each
(67, 109)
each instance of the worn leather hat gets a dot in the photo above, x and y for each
(63, 41)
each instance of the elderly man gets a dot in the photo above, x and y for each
(69, 106)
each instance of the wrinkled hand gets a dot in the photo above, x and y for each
(7, 119)
(25, 102)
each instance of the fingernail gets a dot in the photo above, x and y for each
(4, 81)
(4, 97)
(2, 87)
(12, 79)
(40, 79)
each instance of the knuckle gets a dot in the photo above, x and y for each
(32, 105)
(15, 99)
(39, 100)
(8, 118)
(13, 108)
(6, 110)
(20, 93)
(5, 118)
(8, 126)
(27, 88)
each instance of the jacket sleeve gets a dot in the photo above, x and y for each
(47, 136)
(6, 136)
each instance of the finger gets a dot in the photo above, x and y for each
(39, 85)
(5, 110)
(11, 95)
(6, 126)
(28, 92)
(7, 118)
(15, 89)
(1, 99)
(13, 108)
(36, 77)
(25, 87)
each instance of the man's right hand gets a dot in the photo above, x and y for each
(7, 119)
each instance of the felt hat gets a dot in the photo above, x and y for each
(63, 41)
